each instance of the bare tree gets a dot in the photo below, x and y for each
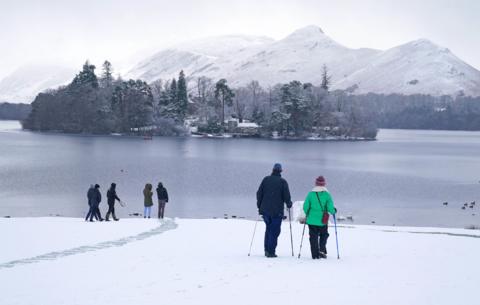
(204, 88)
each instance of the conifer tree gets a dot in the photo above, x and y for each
(86, 76)
(325, 78)
(107, 74)
(294, 105)
(173, 92)
(182, 97)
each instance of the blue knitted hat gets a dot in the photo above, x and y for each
(277, 167)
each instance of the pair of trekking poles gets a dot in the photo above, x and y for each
(291, 236)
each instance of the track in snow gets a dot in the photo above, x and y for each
(164, 226)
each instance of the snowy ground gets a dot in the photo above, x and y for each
(136, 261)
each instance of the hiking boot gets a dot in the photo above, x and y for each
(268, 254)
(323, 255)
(116, 219)
(106, 219)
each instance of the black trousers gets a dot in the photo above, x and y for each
(111, 210)
(318, 239)
(95, 212)
(91, 212)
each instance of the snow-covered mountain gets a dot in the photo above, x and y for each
(416, 67)
(419, 66)
(197, 58)
(27, 81)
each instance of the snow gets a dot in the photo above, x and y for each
(417, 67)
(248, 125)
(26, 82)
(186, 261)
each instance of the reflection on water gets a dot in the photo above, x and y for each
(401, 179)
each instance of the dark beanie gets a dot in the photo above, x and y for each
(97, 186)
(320, 181)
(277, 167)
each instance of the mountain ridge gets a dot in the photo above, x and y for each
(415, 67)
(302, 54)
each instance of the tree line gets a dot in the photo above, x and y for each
(422, 111)
(105, 104)
(10, 111)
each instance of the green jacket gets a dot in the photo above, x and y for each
(147, 194)
(314, 209)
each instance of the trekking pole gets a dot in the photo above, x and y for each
(253, 236)
(303, 233)
(291, 236)
(336, 236)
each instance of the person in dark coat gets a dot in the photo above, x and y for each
(162, 196)
(96, 199)
(271, 196)
(90, 194)
(111, 197)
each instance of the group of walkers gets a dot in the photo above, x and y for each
(95, 197)
(273, 193)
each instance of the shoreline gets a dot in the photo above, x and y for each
(209, 136)
(340, 223)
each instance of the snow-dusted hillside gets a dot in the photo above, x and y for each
(299, 56)
(198, 57)
(27, 81)
(419, 66)
(137, 261)
(416, 67)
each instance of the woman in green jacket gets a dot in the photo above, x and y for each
(318, 202)
(148, 201)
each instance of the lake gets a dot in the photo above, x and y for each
(401, 179)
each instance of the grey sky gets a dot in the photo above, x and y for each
(68, 32)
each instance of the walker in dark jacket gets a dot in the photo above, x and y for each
(96, 198)
(162, 196)
(272, 194)
(111, 197)
(90, 194)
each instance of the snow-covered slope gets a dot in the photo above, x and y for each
(197, 58)
(419, 66)
(27, 81)
(415, 67)
(138, 261)
(300, 56)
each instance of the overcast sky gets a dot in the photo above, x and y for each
(68, 32)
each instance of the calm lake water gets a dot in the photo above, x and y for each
(402, 178)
